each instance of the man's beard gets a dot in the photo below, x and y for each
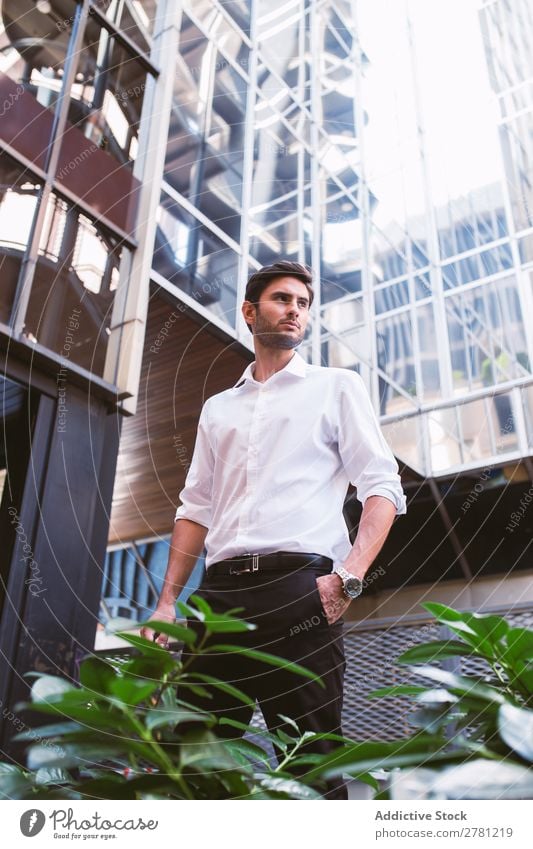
(272, 338)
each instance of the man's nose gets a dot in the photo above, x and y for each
(294, 309)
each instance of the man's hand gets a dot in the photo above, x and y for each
(164, 612)
(332, 597)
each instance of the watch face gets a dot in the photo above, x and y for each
(353, 587)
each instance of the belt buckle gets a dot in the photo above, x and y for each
(233, 570)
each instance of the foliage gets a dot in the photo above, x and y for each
(491, 715)
(124, 734)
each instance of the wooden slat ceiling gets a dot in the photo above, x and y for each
(156, 444)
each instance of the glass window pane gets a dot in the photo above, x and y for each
(527, 404)
(19, 192)
(74, 287)
(395, 351)
(389, 297)
(405, 440)
(135, 18)
(33, 49)
(189, 255)
(445, 444)
(476, 430)
(428, 357)
(107, 96)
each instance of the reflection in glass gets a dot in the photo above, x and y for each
(405, 438)
(476, 430)
(189, 255)
(33, 49)
(73, 290)
(18, 200)
(395, 359)
(527, 405)
(108, 93)
(444, 439)
(204, 158)
(487, 335)
(428, 358)
(205, 9)
(135, 18)
(339, 317)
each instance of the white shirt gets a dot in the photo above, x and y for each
(273, 460)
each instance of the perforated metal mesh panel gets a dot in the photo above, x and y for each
(370, 656)
(370, 665)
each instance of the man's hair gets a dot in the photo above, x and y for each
(262, 278)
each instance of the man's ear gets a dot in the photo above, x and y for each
(248, 312)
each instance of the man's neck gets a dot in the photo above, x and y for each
(270, 360)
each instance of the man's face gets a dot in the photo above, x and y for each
(279, 320)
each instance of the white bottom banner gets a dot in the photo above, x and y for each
(232, 825)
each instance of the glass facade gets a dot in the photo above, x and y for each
(73, 77)
(403, 175)
(297, 129)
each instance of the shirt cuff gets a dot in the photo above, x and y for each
(200, 515)
(399, 501)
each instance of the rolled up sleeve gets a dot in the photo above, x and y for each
(368, 461)
(196, 495)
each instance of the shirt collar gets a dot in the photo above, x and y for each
(296, 366)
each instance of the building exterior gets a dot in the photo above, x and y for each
(155, 153)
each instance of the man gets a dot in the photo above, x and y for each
(271, 466)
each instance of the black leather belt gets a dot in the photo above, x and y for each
(278, 561)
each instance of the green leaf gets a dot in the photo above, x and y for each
(428, 652)
(285, 738)
(50, 688)
(204, 751)
(288, 721)
(460, 684)
(15, 783)
(396, 690)
(133, 691)
(53, 775)
(147, 647)
(288, 788)
(437, 697)
(96, 675)
(90, 717)
(220, 623)
(159, 717)
(245, 752)
(44, 731)
(197, 689)
(270, 659)
(188, 610)
(253, 729)
(151, 668)
(87, 753)
(519, 644)
(516, 729)
(358, 758)
(484, 632)
(221, 685)
(179, 632)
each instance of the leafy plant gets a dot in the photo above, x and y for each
(490, 716)
(123, 733)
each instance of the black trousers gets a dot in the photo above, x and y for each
(291, 624)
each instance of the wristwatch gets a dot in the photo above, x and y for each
(352, 586)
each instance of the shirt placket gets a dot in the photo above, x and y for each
(255, 435)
